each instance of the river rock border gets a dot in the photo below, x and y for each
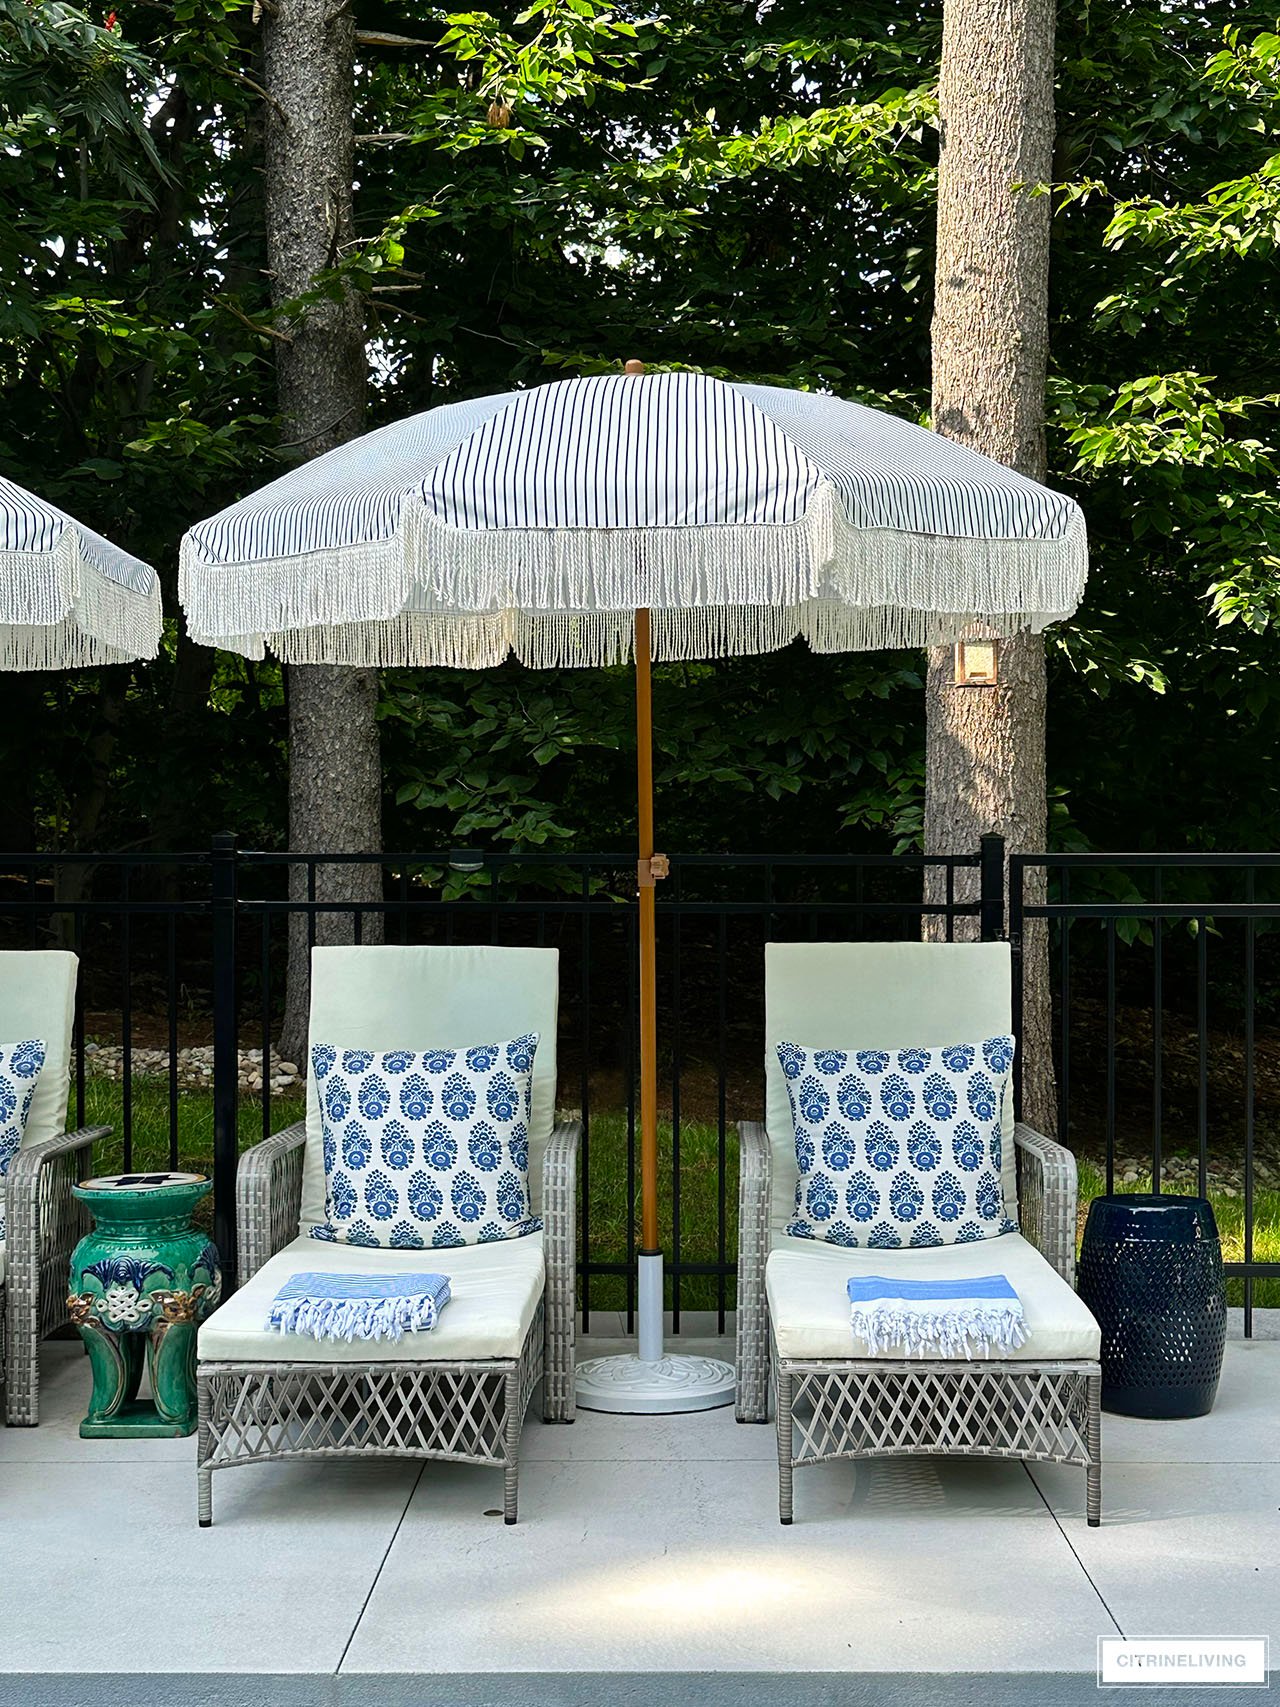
(195, 1068)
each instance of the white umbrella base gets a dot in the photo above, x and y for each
(653, 1384)
(637, 1386)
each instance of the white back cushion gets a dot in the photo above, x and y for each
(38, 999)
(427, 998)
(877, 995)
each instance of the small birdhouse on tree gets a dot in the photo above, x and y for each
(976, 663)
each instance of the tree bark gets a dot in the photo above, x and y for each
(985, 764)
(335, 783)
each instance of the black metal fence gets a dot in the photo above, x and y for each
(1166, 975)
(181, 951)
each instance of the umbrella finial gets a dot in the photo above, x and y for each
(633, 366)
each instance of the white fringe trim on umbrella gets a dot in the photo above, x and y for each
(820, 556)
(432, 594)
(227, 603)
(600, 638)
(59, 611)
(551, 570)
(1000, 579)
(410, 638)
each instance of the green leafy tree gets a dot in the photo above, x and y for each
(1166, 396)
(741, 191)
(132, 381)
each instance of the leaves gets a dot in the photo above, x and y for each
(746, 193)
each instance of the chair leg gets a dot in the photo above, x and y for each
(559, 1400)
(511, 1472)
(784, 1447)
(22, 1359)
(1093, 1475)
(204, 1474)
(752, 1397)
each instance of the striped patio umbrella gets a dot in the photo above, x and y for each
(68, 597)
(593, 520)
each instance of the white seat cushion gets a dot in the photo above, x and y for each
(809, 1307)
(496, 1289)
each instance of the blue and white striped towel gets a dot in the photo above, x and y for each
(358, 1306)
(948, 1318)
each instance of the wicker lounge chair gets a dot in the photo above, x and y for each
(460, 1391)
(42, 1220)
(1042, 1403)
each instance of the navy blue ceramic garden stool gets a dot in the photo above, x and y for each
(1151, 1272)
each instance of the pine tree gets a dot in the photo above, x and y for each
(985, 763)
(335, 778)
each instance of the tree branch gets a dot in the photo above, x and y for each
(320, 432)
(267, 96)
(253, 325)
(384, 38)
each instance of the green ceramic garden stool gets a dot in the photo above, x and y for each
(141, 1283)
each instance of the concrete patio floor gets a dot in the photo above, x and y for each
(648, 1566)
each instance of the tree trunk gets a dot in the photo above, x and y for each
(985, 767)
(335, 784)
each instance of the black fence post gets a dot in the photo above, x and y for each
(1017, 923)
(991, 873)
(226, 1056)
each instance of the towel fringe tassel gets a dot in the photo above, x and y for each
(971, 1330)
(354, 1318)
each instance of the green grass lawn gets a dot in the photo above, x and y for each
(606, 1183)
(104, 1106)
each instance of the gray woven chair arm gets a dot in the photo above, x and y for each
(269, 1196)
(1047, 1197)
(37, 1190)
(32, 1157)
(755, 1168)
(560, 1251)
(44, 1223)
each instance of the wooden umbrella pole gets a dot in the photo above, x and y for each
(650, 1381)
(647, 870)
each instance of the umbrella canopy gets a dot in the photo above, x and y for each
(539, 521)
(68, 597)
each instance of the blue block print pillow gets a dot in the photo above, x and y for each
(898, 1147)
(427, 1148)
(20, 1065)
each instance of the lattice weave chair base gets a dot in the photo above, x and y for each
(470, 1413)
(882, 1407)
